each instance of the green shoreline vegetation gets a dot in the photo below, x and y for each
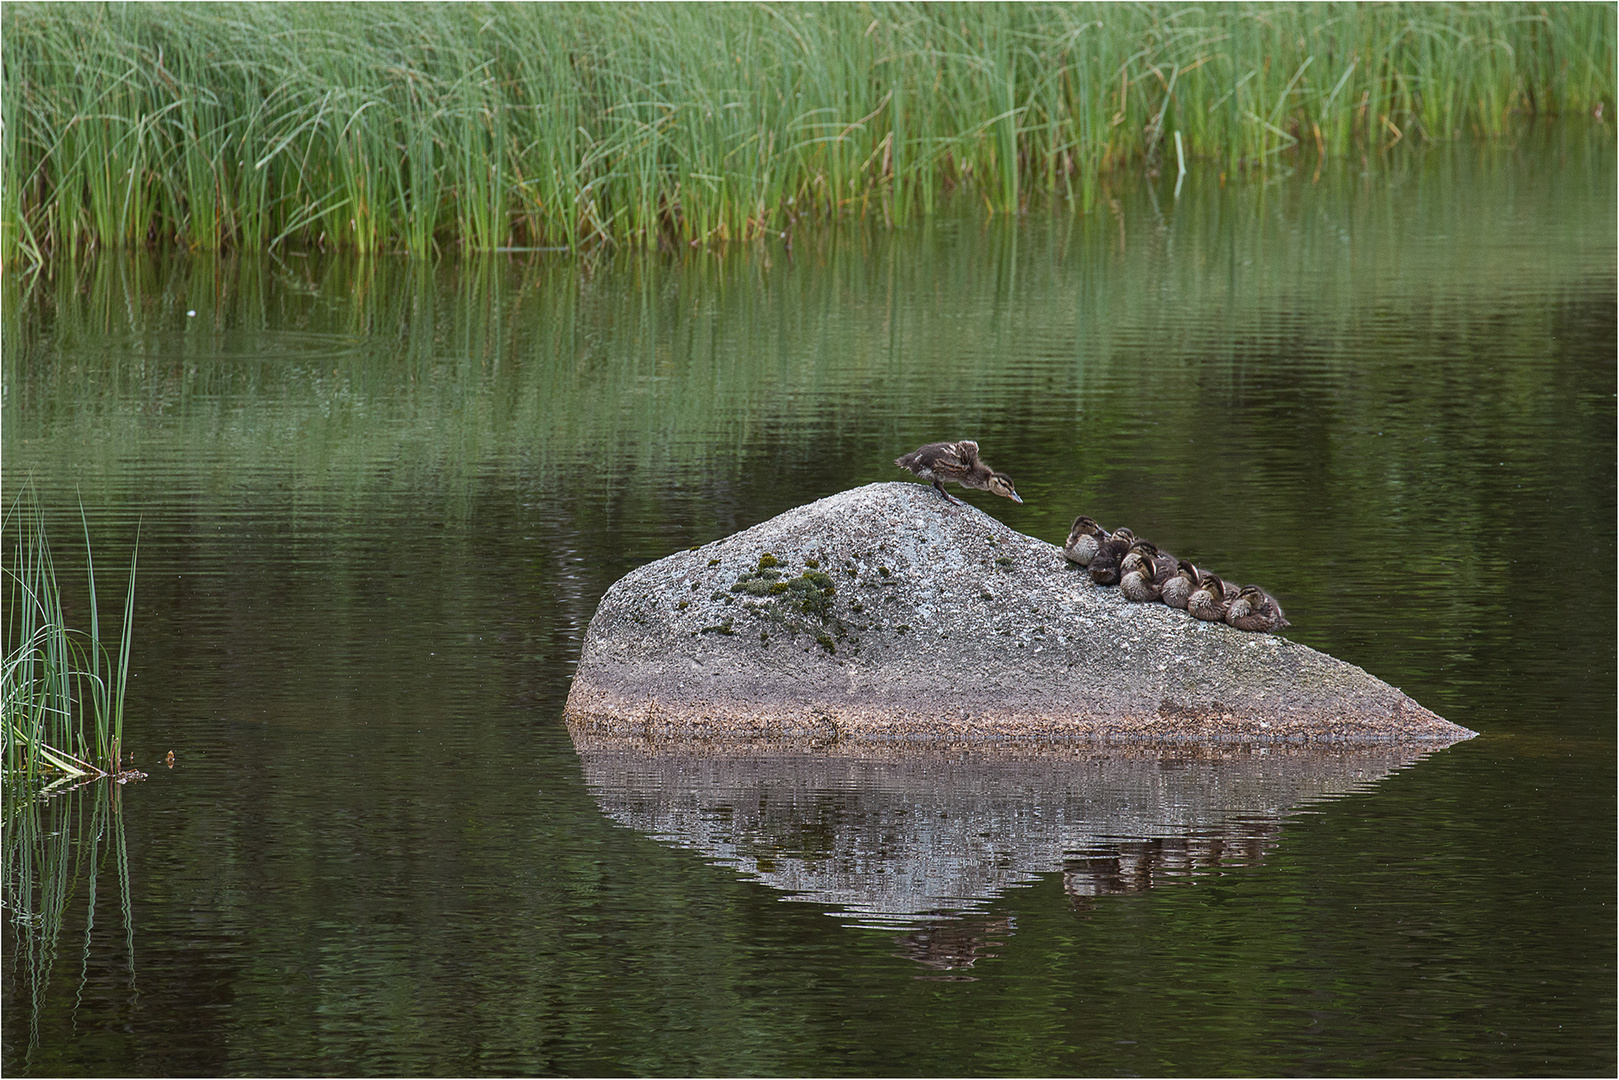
(481, 126)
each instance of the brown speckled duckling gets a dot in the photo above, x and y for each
(1163, 563)
(1104, 565)
(1084, 539)
(1209, 600)
(957, 462)
(1139, 548)
(1181, 584)
(1139, 586)
(1255, 609)
(1145, 570)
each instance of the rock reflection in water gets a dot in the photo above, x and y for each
(948, 947)
(1126, 866)
(909, 836)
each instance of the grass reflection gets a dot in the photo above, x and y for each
(57, 854)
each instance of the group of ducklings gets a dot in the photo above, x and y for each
(1136, 566)
(1145, 574)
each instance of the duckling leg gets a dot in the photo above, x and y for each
(937, 486)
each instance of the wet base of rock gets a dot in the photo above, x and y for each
(594, 710)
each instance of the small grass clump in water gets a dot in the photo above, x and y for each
(61, 690)
(378, 127)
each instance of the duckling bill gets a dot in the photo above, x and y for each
(957, 462)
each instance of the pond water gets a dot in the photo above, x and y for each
(377, 502)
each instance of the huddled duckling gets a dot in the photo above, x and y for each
(1084, 539)
(957, 462)
(1145, 571)
(1105, 565)
(1139, 548)
(1209, 600)
(1181, 584)
(1138, 585)
(1145, 551)
(1255, 609)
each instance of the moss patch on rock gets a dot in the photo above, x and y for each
(803, 603)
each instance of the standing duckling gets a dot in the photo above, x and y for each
(1181, 584)
(1083, 540)
(1209, 601)
(1255, 609)
(957, 462)
(1104, 565)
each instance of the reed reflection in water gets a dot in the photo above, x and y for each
(58, 852)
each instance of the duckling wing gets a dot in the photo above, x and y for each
(965, 451)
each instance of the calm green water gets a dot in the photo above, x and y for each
(379, 500)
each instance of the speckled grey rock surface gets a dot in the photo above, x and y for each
(885, 613)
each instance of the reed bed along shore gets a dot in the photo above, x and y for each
(422, 127)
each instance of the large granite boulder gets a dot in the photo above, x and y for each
(885, 613)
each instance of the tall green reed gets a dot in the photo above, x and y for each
(61, 690)
(382, 127)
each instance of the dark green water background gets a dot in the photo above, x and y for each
(379, 500)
